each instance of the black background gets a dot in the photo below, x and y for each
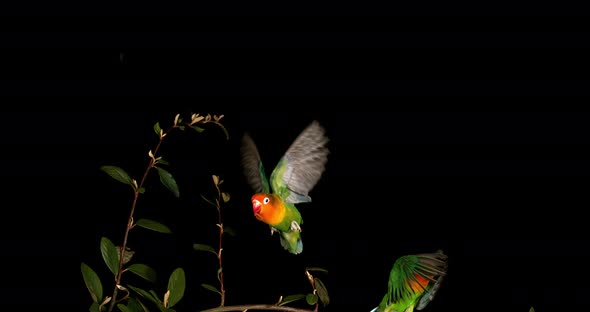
(451, 127)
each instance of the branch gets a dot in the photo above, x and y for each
(246, 307)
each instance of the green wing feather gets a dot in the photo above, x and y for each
(301, 167)
(252, 166)
(431, 266)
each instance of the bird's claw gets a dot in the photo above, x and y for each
(295, 226)
(273, 230)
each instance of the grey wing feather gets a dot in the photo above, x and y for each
(305, 162)
(251, 164)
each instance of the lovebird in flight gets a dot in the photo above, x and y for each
(295, 174)
(413, 282)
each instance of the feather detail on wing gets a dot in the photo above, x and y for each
(252, 166)
(412, 274)
(304, 162)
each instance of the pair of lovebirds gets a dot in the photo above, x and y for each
(413, 280)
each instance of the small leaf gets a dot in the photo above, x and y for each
(117, 174)
(204, 247)
(128, 254)
(225, 197)
(316, 269)
(145, 294)
(219, 274)
(229, 230)
(143, 271)
(123, 308)
(322, 291)
(291, 298)
(141, 190)
(168, 181)
(181, 128)
(92, 282)
(211, 288)
(153, 225)
(162, 162)
(109, 254)
(157, 128)
(215, 179)
(94, 307)
(311, 299)
(176, 285)
(199, 129)
(532, 309)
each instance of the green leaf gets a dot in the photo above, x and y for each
(141, 190)
(532, 309)
(198, 129)
(157, 128)
(162, 162)
(225, 196)
(153, 225)
(311, 299)
(92, 282)
(204, 247)
(176, 285)
(211, 288)
(168, 181)
(123, 308)
(109, 254)
(143, 271)
(145, 294)
(94, 307)
(322, 291)
(219, 274)
(155, 296)
(291, 298)
(316, 269)
(133, 305)
(229, 230)
(117, 174)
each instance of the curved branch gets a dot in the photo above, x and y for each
(245, 307)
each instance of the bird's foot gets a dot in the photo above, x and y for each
(273, 230)
(295, 226)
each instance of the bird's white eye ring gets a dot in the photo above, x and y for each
(266, 200)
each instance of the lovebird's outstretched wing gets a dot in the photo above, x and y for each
(252, 166)
(416, 275)
(302, 165)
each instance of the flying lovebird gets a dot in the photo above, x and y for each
(291, 180)
(413, 282)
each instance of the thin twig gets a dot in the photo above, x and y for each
(219, 256)
(247, 307)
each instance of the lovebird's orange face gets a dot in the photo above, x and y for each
(260, 203)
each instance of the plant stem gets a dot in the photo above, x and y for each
(130, 222)
(219, 256)
(255, 307)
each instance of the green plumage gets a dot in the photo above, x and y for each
(296, 173)
(413, 282)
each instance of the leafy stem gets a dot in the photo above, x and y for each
(137, 189)
(220, 197)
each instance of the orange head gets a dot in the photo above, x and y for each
(259, 203)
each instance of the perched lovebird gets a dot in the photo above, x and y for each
(296, 173)
(413, 282)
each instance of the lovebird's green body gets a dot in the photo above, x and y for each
(413, 282)
(296, 173)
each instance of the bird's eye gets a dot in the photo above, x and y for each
(266, 200)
